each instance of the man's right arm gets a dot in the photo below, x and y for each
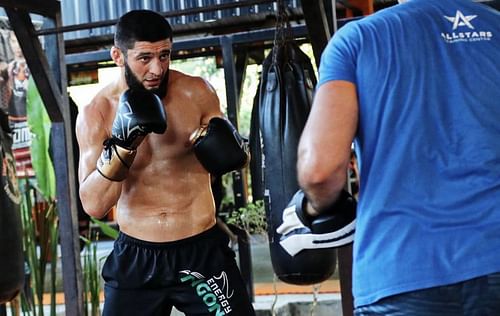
(325, 145)
(98, 195)
(106, 156)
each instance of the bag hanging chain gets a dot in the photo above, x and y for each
(283, 32)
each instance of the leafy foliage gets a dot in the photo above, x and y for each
(40, 125)
(40, 238)
(91, 276)
(105, 228)
(251, 218)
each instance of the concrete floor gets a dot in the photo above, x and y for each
(268, 305)
(270, 298)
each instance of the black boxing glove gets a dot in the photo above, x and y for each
(219, 147)
(333, 227)
(139, 113)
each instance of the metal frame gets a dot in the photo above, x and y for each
(48, 8)
(299, 31)
(174, 13)
(52, 90)
(317, 24)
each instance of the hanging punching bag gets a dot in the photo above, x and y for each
(11, 250)
(286, 92)
(256, 152)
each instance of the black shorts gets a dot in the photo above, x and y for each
(198, 275)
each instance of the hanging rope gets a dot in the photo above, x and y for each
(314, 303)
(273, 305)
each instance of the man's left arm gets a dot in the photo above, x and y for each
(216, 143)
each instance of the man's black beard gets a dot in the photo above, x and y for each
(134, 84)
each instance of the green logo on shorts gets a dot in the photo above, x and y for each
(214, 296)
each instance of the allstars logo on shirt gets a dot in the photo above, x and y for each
(463, 30)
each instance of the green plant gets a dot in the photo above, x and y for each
(228, 198)
(92, 284)
(105, 228)
(40, 238)
(251, 218)
(39, 214)
(91, 276)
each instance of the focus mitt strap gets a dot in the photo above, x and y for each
(334, 227)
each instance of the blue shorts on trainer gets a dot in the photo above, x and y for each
(475, 297)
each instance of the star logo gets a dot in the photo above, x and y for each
(122, 124)
(461, 20)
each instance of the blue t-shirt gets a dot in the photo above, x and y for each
(427, 74)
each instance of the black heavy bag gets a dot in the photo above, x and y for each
(286, 91)
(11, 249)
(256, 152)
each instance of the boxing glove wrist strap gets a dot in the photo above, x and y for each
(198, 133)
(219, 147)
(115, 161)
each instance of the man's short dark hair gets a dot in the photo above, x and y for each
(141, 25)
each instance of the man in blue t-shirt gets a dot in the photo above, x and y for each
(417, 87)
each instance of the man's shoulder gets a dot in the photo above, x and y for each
(105, 96)
(395, 12)
(193, 85)
(180, 78)
(103, 102)
(192, 90)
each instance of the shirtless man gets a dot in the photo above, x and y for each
(169, 252)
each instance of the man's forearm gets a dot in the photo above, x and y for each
(321, 193)
(99, 195)
(320, 197)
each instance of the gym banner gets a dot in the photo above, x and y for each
(28, 119)
(14, 75)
